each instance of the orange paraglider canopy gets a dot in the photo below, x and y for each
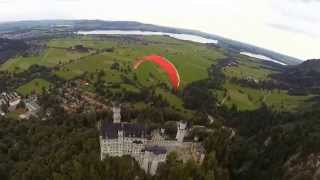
(164, 64)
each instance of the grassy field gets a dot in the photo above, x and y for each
(34, 86)
(88, 64)
(244, 98)
(250, 99)
(280, 100)
(50, 57)
(248, 68)
(191, 60)
(88, 41)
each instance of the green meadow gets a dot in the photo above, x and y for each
(249, 99)
(50, 57)
(248, 67)
(192, 60)
(34, 86)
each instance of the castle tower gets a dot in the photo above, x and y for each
(102, 154)
(181, 131)
(116, 113)
(120, 148)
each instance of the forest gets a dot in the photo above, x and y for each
(11, 48)
(67, 147)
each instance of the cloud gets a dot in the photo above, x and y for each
(300, 17)
(4, 1)
(306, 1)
(68, 1)
(293, 29)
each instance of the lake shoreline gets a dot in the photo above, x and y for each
(185, 37)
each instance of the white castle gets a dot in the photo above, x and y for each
(148, 148)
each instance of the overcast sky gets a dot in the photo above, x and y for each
(288, 26)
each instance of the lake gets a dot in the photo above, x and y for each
(186, 37)
(259, 56)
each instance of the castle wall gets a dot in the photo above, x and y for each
(151, 162)
(122, 146)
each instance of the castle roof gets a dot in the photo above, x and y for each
(110, 130)
(157, 150)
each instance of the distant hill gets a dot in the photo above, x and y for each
(304, 77)
(308, 66)
(10, 48)
(75, 25)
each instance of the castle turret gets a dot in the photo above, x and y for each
(120, 134)
(181, 131)
(116, 113)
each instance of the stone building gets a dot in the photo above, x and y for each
(11, 100)
(148, 148)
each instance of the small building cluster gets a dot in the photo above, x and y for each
(251, 79)
(8, 102)
(74, 100)
(32, 108)
(148, 148)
